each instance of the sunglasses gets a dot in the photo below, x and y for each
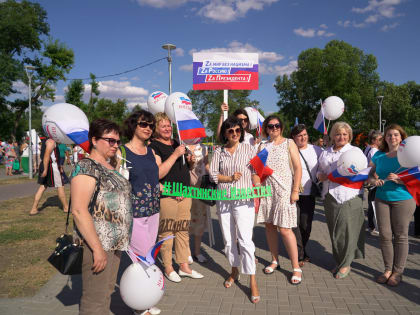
(232, 131)
(111, 141)
(272, 126)
(243, 119)
(143, 124)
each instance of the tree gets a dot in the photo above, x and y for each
(206, 104)
(339, 69)
(24, 32)
(106, 108)
(74, 93)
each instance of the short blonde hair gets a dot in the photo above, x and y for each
(341, 125)
(159, 117)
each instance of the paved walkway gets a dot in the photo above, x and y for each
(319, 292)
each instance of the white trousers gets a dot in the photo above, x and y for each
(236, 219)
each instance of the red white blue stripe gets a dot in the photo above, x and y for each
(259, 163)
(411, 179)
(319, 123)
(189, 127)
(153, 252)
(355, 182)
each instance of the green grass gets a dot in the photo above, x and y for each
(18, 233)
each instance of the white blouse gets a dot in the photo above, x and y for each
(328, 163)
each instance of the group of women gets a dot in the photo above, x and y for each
(113, 214)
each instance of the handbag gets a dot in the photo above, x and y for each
(67, 257)
(207, 184)
(316, 188)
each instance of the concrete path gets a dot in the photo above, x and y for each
(319, 292)
(18, 190)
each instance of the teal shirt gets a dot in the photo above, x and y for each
(62, 148)
(390, 191)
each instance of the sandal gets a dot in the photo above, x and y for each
(295, 280)
(255, 299)
(394, 279)
(342, 275)
(382, 279)
(269, 270)
(227, 284)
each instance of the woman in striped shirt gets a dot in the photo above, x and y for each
(230, 169)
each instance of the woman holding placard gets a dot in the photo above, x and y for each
(343, 205)
(230, 168)
(394, 205)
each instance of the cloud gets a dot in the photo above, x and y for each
(376, 10)
(221, 11)
(179, 52)
(186, 68)
(59, 99)
(119, 90)
(235, 46)
(312, 32)
(388, 27)
(278, 69)
(20, 87)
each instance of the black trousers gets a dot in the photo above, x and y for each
(305, 215)
(417, 221)
(370, 213)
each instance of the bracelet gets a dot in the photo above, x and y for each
(295, 190)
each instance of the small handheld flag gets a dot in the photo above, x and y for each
(319, 123)
(189, 126)
(411, 179)
(152, 253)
(259, 163)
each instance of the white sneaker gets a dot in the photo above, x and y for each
(154, 310)
(173, 276)
(194, 274)
(190, 260)
(200, 258)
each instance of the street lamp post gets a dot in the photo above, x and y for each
(169, 47)
(380, 98)
(28, 70)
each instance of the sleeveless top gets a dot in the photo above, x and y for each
(144, 179)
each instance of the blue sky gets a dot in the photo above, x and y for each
(112, 36)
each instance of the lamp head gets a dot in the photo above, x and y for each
(380, 98)
(169, 47)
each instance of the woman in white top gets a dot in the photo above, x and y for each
(309, 155)
(230, 168)
(343, 205)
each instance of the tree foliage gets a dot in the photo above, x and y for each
(24, 31)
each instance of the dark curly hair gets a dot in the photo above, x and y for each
(101, 126)
(231, 122)
(130, 124)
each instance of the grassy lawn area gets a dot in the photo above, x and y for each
(26, 242)
(10, 180)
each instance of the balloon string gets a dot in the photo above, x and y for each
(328, 126)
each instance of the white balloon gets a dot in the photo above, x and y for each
(175, 101)
(253, 117)
(333, 107)
(142, 287)
(61, 119)
(351, 162)
(409, 152)
(156, 102)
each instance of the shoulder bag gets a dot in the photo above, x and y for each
(316, 186)
(291, 165)
(67, 257)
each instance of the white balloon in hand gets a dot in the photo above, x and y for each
(351, 162)
(409, 152)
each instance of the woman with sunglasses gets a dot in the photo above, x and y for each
(140, 162)
(175, 215)
(243, 118)
(101, 206)
(230, 168)
(279, 212)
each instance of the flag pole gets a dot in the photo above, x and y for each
(225, 100)
(179, 135)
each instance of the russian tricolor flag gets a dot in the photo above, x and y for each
(80, 138)
(355, 182)
(189, 127)
(260, 120)
(411, 179)
(259, 163)
(152, 253)
(320, 122)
